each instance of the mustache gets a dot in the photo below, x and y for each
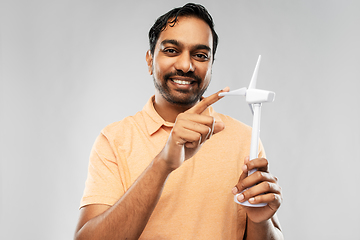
(182, 74)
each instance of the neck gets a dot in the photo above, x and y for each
(168, 111)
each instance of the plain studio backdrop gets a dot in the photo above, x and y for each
(69, 68)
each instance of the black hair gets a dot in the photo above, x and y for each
(171, 17)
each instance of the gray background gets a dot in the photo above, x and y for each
(69, 68)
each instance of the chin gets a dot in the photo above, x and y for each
(183, 100)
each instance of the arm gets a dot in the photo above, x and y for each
(130, 214)
(269, 229)
(262, 222)
(128, 217)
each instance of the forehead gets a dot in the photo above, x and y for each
(189, 31)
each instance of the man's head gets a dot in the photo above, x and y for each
(171, 17)
(181, 54)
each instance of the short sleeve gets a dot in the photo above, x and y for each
(103, 184)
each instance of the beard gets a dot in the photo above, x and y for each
(185, 97)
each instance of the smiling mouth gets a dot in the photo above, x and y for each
(182, 82)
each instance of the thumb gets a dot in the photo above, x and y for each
(218, 127)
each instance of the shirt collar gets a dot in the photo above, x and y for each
(155, 121)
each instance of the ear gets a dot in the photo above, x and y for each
(149, 60)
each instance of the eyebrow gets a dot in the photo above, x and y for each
(179, 44)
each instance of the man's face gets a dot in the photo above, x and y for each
(182, 61)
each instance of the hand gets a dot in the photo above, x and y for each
(191, 129)
(260, 187)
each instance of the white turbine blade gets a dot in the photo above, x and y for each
(251, 108)
(237, 92)
(252, 84)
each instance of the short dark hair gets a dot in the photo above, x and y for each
(171, 17)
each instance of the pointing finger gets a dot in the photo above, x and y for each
(206, 102)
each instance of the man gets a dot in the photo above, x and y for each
(169, 171)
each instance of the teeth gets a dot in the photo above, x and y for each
(181, 82)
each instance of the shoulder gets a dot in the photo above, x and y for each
(233, 123)
(124, 126)
(235, 130)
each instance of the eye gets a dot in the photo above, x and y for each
(201, 56)
(170, 51)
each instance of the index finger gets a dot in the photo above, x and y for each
(206, 102)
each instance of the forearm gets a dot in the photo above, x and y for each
(269, 229)
(129, 216)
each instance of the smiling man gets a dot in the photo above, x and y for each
(170, 171)
(181, 65)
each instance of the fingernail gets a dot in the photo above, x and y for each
(251, 200)
(244, 168)
(226, 89)
(234, 190)
(240, 197)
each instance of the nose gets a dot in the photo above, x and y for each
(184, 63)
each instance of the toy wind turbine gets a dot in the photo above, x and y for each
(254, 97)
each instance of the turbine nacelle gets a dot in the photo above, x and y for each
(259, 96)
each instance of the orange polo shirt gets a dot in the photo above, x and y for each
(196, 202)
